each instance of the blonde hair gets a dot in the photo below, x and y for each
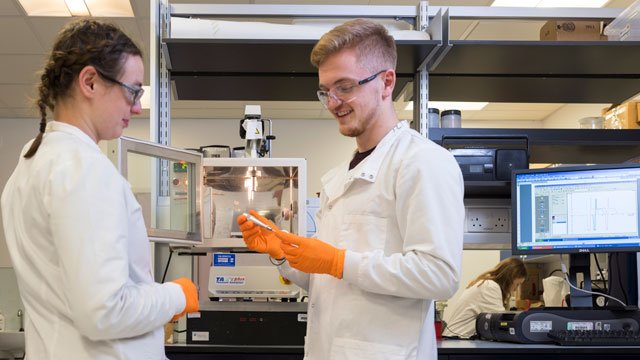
(504, 274)
(375, 48)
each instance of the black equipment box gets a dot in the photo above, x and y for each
(248, 323)
(532, 326)
(490, 164)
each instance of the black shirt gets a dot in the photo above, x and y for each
(359, 156)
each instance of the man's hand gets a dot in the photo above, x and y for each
(258, 238)
(312, 255)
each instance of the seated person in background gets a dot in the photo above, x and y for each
(489, 292)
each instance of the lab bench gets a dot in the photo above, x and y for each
(447, 350)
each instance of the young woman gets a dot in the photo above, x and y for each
(489, 292)
(74, 230)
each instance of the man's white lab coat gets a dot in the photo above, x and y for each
(80, 250)
(399, 214)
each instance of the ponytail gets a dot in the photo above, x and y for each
(42, 103)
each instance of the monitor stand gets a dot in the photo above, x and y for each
(580, 263)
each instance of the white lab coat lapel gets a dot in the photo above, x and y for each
(337, 182)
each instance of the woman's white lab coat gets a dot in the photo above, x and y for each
(400, 215)
(485, 296)
(79, 247)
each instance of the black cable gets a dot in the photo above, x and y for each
(166, 268)
(554, 271)
(604, 281)
(624, 292)
(445, 326)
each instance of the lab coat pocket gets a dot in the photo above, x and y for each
(363, 232)
(350, 349)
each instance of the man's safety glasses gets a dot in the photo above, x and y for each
(344, 92)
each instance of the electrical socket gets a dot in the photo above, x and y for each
(496, 220)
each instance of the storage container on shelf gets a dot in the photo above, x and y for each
(626, 26)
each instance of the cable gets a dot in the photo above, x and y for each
(624, 291)
(554, 271)
(445, 326)
(166, 268)
(566, 278)
(277, 262)
(604, 281)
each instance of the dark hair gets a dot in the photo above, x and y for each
(80, 43)
(376, 49)
(504, 274)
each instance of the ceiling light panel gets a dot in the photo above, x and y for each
(110, 8)
(45, 7)
(551, 3)
(99, 8)
(77, 8)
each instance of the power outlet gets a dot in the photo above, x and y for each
(495, 220)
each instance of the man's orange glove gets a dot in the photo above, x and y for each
(258, 238)
(191, 295)
(312, 255)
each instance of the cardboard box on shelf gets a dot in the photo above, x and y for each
(570, 30)
(623, 116)
(531, 288)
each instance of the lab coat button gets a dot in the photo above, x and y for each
(362, 174)
(370, 176)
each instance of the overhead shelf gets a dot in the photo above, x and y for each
(495, 71)
(537, 71)
(251, 69)
(566, 146)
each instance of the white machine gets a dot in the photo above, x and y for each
(275, 188)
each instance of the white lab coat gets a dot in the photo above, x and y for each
(485, 296)
(79, 247)
(400, 215)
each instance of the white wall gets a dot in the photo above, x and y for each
(567, 116)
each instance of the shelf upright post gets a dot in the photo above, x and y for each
(421, 79)
(159, 113)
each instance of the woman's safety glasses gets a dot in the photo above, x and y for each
(135, 92)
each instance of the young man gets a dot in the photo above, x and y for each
(389, 238)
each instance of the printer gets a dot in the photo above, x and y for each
(484, 164)
(487, 161)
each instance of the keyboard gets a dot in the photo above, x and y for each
(594, 337)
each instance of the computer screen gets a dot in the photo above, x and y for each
(577, 209)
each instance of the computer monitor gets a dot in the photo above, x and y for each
(576, 210)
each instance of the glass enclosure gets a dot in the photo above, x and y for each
(166, 182)
(275, 188)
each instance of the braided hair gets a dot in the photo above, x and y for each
(79, 44)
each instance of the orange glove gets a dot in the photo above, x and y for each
(191, 295)
(312, 255)
(258, 238)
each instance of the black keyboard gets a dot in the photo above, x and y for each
(595, 337)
